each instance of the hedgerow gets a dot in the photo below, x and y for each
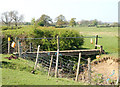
(45, 32)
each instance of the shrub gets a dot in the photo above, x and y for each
(65, 44)
(4, 27)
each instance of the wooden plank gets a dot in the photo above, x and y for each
(36, 58)
(89, 71)
(50, 65)
(56, 69)
(96, 41)
(78, 67)
(68, 51)
(65, 52)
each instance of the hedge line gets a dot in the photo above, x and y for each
(47, 45)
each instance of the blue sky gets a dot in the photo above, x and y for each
(104, 10)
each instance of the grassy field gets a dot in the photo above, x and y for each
(109, 39)
(18, 72)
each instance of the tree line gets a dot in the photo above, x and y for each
(13, 18)
(60, 21)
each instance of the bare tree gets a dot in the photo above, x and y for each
(11, 17)
(16, 18)
(6, 19)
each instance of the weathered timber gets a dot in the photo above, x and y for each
(76, 79)
(57, 57)
(65, 52)
(50, 65)
(8, 47)
(89, 70)
(96, 41)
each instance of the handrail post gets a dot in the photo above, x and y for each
(96, 41)
(89, 71)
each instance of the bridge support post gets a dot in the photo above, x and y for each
(89, 71)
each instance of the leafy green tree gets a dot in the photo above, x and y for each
(41, 23)
(44, 20)
(72, 22)
(33, 21)
(95, 22)
(60, 20)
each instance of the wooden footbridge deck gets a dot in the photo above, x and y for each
(65, 52)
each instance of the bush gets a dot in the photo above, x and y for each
(65, 44)
(4, 27)
(60, 26)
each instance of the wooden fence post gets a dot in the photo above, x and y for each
(50, 65)
(8, 45)
(19, 49)
(30, 47)
(89, 70)
(16, 46)
(36, 58)
(96, 41)
(78, 67)
(56, 69)
(118, 82)
(101, 49)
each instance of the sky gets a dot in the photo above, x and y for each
(103, 10)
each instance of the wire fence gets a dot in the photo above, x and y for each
(67, 64)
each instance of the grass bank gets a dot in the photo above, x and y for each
(18, 72)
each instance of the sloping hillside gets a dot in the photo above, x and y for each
(18, 72)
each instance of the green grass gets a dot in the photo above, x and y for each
(16, 77)
(109, 39)
(18, 72)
